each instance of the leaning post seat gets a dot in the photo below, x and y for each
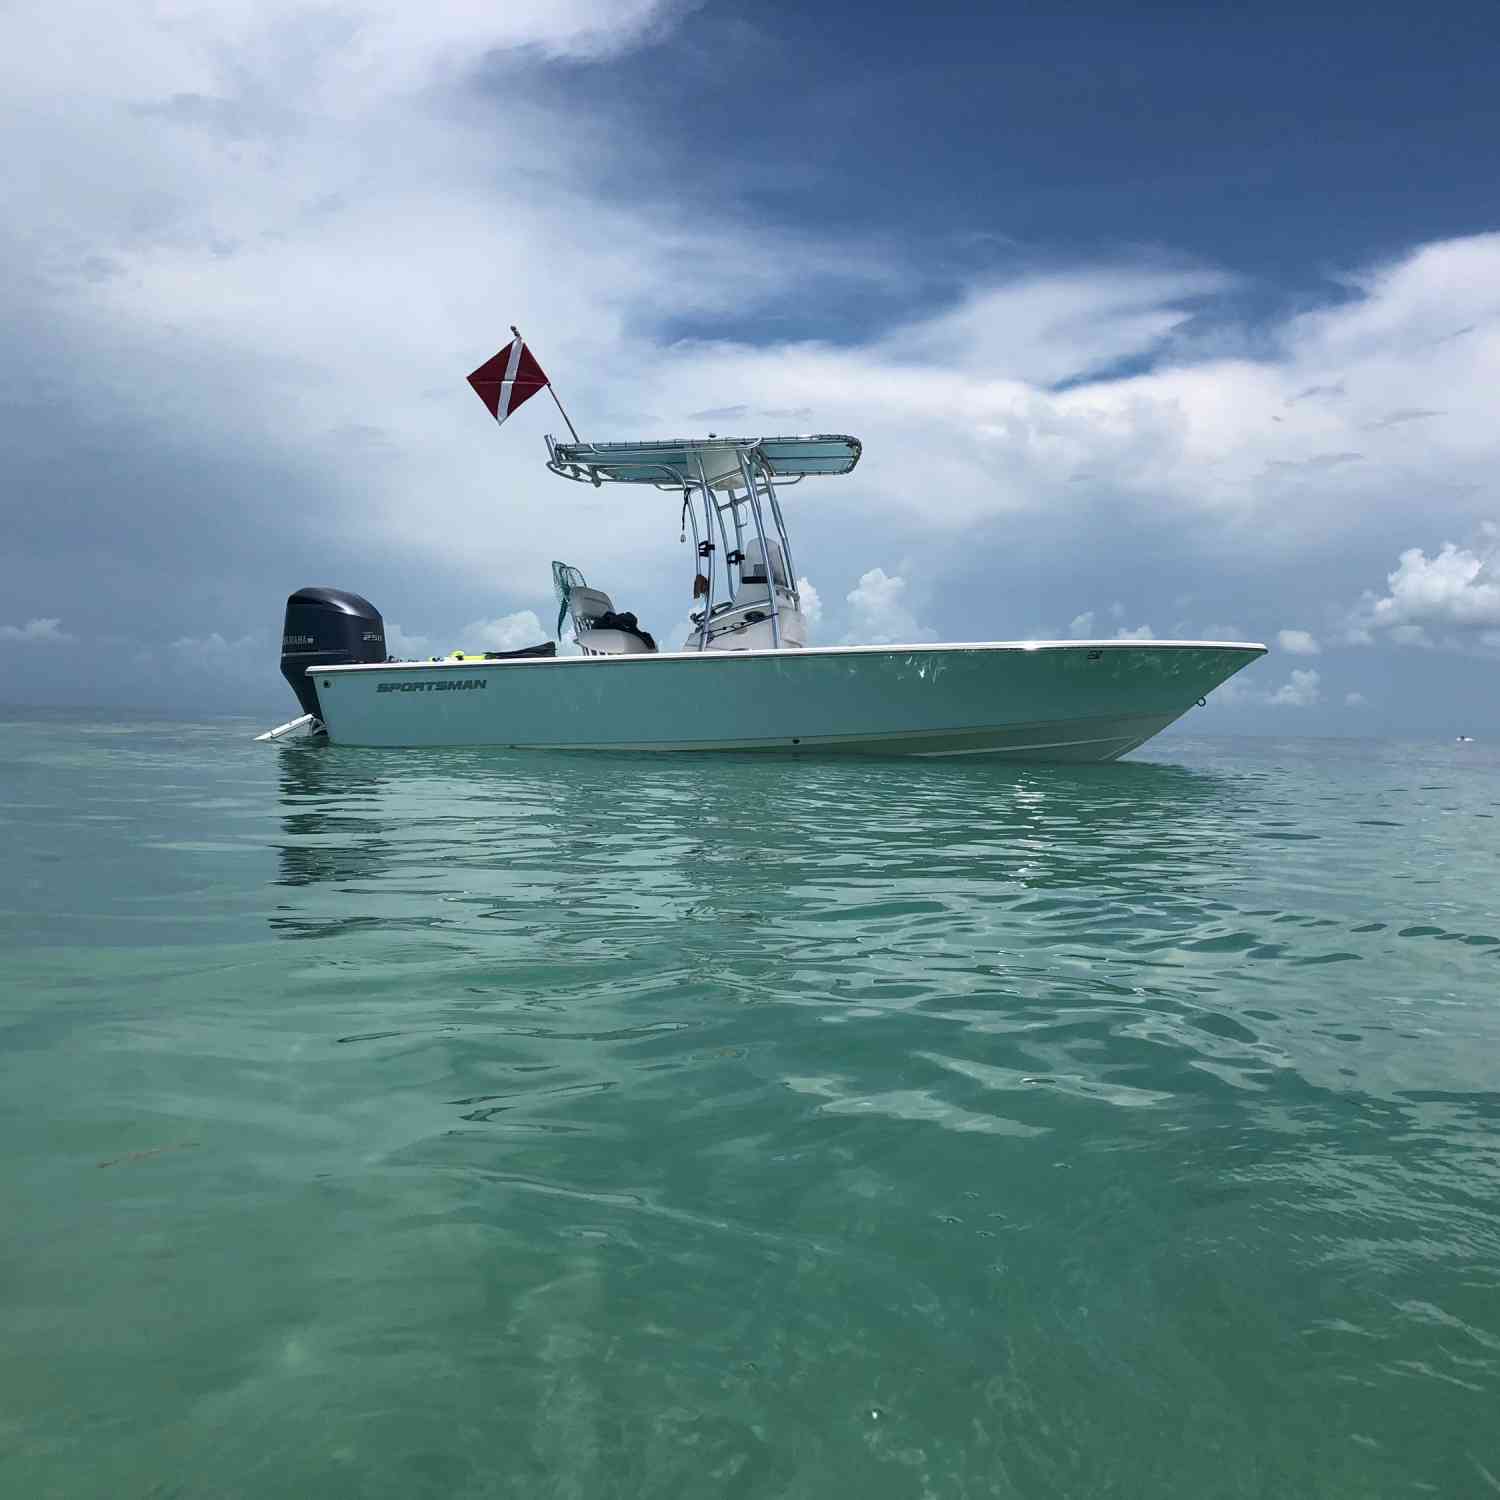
(753, 569)
(587, 605)
(605, 640)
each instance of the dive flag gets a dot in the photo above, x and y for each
(511, 377)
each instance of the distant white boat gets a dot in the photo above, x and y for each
(745, 678)
(1465, 739)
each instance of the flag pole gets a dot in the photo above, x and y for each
(566, 418)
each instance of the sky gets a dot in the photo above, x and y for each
(1157, 321)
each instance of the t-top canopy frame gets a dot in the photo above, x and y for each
(749, 465)
(689, 462)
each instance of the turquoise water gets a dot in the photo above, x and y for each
(472, 1124)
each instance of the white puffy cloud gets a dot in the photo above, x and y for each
(338, 60)
(264, 263)
(1042, 329)
(1135, 633)
(283, 229)
(1287, 448)
(876, 592)
(507, 633)
(1081, 627)
(1298, 642)
(1449, 599)
(812, 604)
(879, 614)
(1300, 690)
(42, 632)
(1303, 689)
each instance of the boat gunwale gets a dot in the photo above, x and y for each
(1253, 648)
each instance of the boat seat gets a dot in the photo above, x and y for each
(753, 569)
(587, 605)
(600, 641)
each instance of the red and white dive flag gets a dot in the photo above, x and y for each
(511, 377)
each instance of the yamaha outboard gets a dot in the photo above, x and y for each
(327, 628)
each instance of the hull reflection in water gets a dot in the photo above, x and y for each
(1081, 701)
(547, 841)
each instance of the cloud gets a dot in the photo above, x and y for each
(720, 414)
(812, 604)
(879, 614)
(1188, 442)
(1059, 327)
(1315, 461)
(876, 593)
(1138, 633)
(508, 633)
(407, 647)
(239, 659)
(1081, 627)
(505, 633)
(1298, 642)
(1300, 690)
(1303, 689)
(172, 57)
(1450, 599)
(257, 247)
(268, 237)
(1405, 414)
(1354, 700)
(43, 632)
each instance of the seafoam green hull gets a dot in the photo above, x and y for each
(1087, 700)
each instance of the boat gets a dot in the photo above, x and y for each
(747, 677)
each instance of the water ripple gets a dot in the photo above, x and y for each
(595, 1125)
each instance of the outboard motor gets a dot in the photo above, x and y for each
(327, 628)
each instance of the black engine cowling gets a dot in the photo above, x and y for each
(327, 628)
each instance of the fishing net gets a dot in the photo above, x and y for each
(564, 581)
